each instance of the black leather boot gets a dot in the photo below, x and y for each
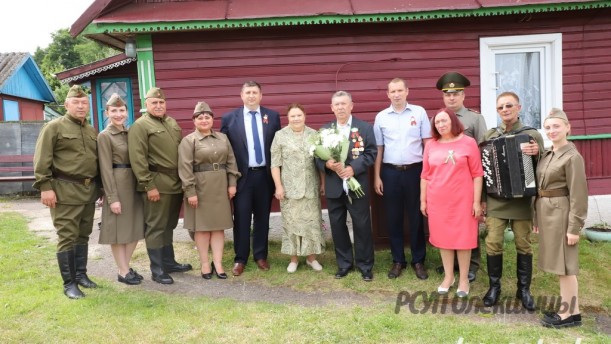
(158, 273)
(169, 261)
(65, 260)
(80, 262)
(495, 272)
(525, 272)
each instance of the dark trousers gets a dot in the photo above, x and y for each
(402, 195)
(253, 200)
(361, 228)
(160, 219)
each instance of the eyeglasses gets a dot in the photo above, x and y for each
(506, 106)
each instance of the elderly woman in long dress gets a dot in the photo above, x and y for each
(298, 190)
(560, 211)
(122, 212)
(209, 173)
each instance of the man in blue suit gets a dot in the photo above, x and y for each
(251, 129)
(362, 155)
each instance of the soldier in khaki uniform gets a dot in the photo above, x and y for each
(517, 212)
(66, 169)
(153, 154)
(453, 85)
(561, 210)
(122, 211)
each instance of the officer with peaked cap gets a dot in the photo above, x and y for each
(153, 154)
(453, 85)
(66, 171)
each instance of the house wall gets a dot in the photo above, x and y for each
(29, 110)
(307, 64)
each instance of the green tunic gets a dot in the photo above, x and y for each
(474, 123)
(517, 208)
(119, 186)
(154, 141)
(214, 207)
(67, 147)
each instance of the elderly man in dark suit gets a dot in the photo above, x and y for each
(362, 154)
(251, 129)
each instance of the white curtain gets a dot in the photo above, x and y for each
(520, 73)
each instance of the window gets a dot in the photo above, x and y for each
(11, 110)
(530, 66)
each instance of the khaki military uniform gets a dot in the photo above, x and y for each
(119, 186)
(216, 170)
(474, 123)
(153, 154)
(66, 161)
(518, 211)
(562, 172)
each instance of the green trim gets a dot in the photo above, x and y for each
(146, 66)
(333, 19)
(589, 137)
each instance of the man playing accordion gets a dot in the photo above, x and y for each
(515, 212)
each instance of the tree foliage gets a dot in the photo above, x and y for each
(66, 52)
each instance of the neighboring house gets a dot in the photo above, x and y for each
(552, 53)
(23, 89)
(24, 93)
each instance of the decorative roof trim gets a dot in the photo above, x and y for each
(98, 70)
(97, 28)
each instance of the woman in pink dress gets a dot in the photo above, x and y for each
(451, 186)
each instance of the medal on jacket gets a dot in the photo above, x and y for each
(450, 157)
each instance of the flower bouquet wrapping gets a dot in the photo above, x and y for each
(329, 143)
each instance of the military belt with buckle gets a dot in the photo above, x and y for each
(69, 179)
(168, 171)
(209, 167)
(553, 192)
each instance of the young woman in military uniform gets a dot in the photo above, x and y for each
(122, 216)
(560, 212)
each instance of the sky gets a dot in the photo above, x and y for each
(28, 24)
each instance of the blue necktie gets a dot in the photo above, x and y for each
(255, 136)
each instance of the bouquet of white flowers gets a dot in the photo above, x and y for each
(329, 143)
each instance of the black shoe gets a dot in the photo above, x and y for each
(207, 276)
(130, 279)
(440, 270)
(80, 263)
(472, 276)
(158, 274)
(138, 276)
(341, 272)
(367, 275)
(556, 322)
(65, 260)
(219, 276)
(169, 261)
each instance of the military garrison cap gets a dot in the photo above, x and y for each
(76, 91)
(155, 92)
(557, 113)
(452, 82)
(202, 107)
(115, 100)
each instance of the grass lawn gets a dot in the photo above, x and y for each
(34, 310)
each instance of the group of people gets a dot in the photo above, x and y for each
(226, 179)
